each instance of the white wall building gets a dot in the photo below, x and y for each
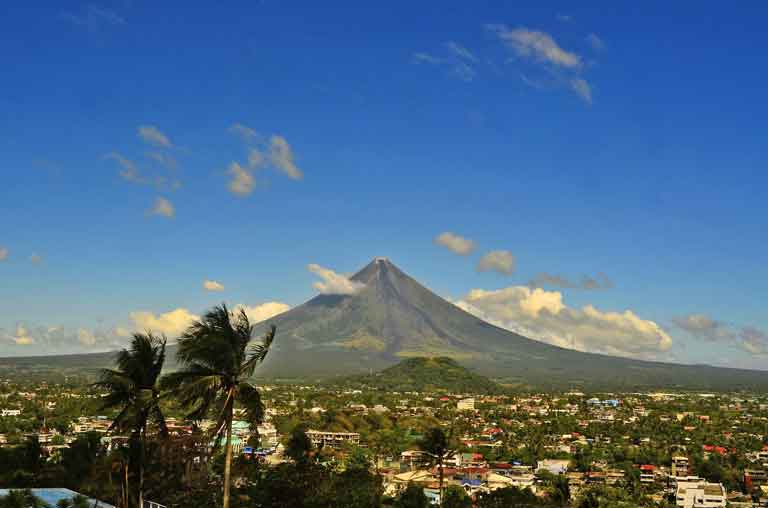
(700, 494)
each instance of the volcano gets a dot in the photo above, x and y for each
(391, 317)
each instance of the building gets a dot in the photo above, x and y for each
(10, 412)
(679, 466)
(333, 439)
(466, 404)
(699, 494)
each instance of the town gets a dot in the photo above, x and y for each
(686, 449)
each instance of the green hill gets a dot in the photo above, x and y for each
(423, 374)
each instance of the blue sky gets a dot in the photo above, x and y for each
(583, 140)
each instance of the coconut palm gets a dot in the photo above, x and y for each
(133, 388)
(436, 448)
(217, 360)
(21, 499)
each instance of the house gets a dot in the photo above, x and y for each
(333, 439)
(679, 465)
(466, 405)
(699, 494)
(554, 466)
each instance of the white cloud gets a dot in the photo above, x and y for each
(455, 243)
(172, 323)
(35, 259)
(281, 155)
(3, 253)
(543, 315)
(163, 207)
(582, 89)
(242, 181)
(536, 45)
(501, 261)
(22, 337)
(426, 58)
(333, 283)
(129, 171)
(255, 158)
(461, 51)
(754, 341)
(596, 42)
(212, 285)
(600, 281)
(163, 159)
(94, 17)
(244, 132)
(262, 312)
(86, 337)
(153, 136)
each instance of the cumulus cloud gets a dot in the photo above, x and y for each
(281, 156)
(244, 132)
(501, 261)
(261, 312)
(172, 323)
(38, 339)
(536, 45)
(212, 285)
(333, 283)
(543, 315)
(455, 243)
(582, 89)
(242, 181)
(587, 282)
(754, 341)
(703, 327)
(163, 207)
(153, 136)
(3, 253)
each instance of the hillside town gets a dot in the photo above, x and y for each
(686, 449)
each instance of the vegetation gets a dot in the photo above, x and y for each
(217, 362)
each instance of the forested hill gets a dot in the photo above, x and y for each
(422, 374)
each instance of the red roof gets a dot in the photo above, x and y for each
(647, 467)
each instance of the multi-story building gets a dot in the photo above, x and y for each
(332, 439)
(679, 466)
(699, 494)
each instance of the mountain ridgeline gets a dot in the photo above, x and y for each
(423, 374)
(391, 317)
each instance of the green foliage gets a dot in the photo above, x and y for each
(427, 374)
(506, 497)
(455, 497)
(412, 497)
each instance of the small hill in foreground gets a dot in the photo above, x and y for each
(424, 374)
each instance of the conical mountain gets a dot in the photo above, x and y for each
(390, 316)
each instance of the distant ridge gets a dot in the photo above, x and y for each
(393, 317)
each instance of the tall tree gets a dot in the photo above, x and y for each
(133, 388)
(435, 445)
(217, 361)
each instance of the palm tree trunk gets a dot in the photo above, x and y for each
(440, 486)
(228, 457)
(142, 437)
(125, 486)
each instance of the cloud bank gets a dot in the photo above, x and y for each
(333, 283)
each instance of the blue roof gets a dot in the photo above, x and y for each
(52, 496)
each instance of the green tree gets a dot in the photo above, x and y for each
(412, 497)
(21, 499)
(299, 446)
(133, 389)
(436, 448)
(217, 361)
(456, 497)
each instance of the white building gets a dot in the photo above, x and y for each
(332, 439)
(466, 405)
(10, 412)
(699, 494)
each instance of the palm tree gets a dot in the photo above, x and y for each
(133, 388)
(21, 499)
(216, 362)
(435, 446)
